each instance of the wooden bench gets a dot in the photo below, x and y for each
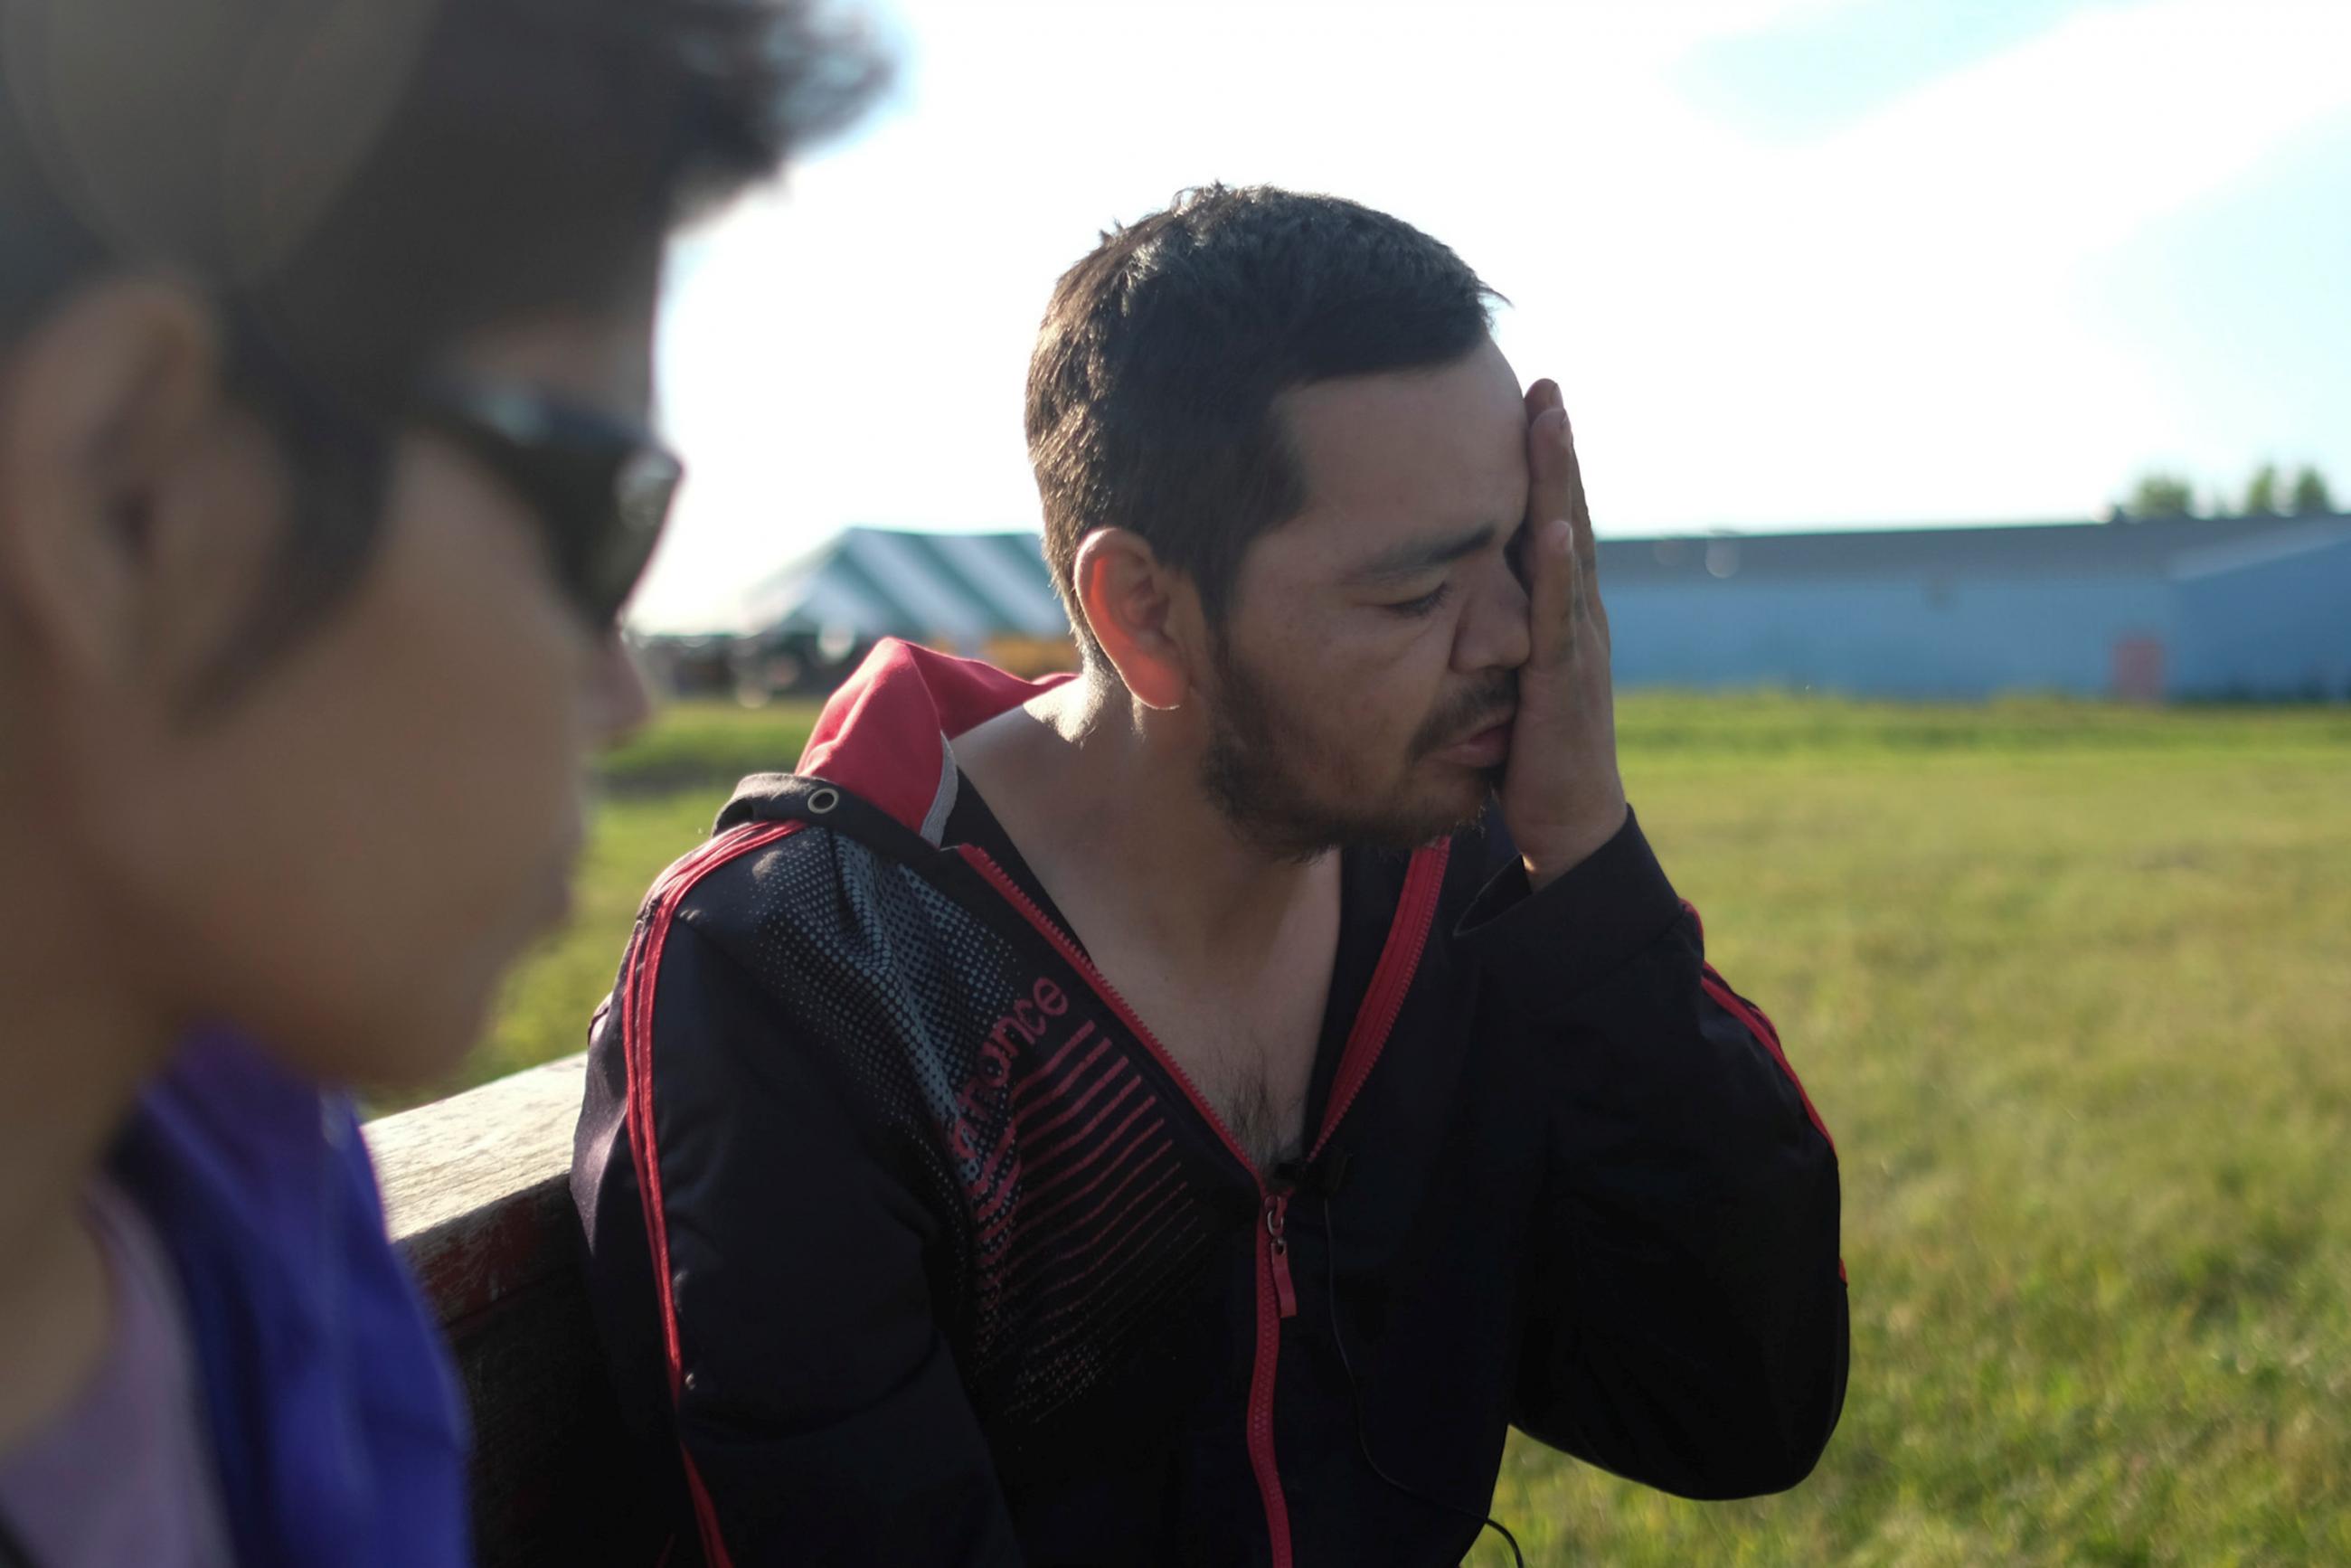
(474, 1189)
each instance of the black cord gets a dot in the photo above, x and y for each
(1355, 1394)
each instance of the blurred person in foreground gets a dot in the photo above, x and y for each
(324, 470)
(1188, 1113)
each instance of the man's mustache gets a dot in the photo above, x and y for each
(1469, 712)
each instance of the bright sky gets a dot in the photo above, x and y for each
(1796, 262)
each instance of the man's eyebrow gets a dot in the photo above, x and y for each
(1416, 556)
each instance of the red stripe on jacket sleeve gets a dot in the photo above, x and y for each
(1756, 1023)
(1752, 1017)
(1766, 1035)
(637, 1054)
(1769, 1038)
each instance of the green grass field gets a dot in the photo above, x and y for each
(2072, 985)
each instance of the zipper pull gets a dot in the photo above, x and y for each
(1277, 1213)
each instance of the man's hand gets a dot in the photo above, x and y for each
(1562, 796)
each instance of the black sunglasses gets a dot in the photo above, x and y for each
(600, 485)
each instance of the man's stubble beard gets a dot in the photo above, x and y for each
(1249, 773)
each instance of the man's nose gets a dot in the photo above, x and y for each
(618, 701)
(1494, 634)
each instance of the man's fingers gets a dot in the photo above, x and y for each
(1547, 476)
(1550, 602)
(1550, 594)
(1565, 586)
(1578, 512)
(1579, 594)
(1550, 468)
(1557, 488)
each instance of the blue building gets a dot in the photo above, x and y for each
(2152, 609)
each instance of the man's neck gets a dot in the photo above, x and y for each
(1081, 778)
(75, 1054)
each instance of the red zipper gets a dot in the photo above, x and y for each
(1272, 1292)
(1273, 1288)
(1277, 1247)
(1276, 1297)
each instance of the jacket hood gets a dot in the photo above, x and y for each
(883, 736)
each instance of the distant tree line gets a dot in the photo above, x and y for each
(2268, 494)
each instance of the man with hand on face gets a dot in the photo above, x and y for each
(1187, 1113)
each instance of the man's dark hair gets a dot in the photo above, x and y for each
(359, 184)
(1153, 388)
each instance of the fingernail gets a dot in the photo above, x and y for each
(1562, 537)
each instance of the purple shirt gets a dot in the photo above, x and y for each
(329, 1404)
(124, 1473)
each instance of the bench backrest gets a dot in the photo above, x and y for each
(473, 1190)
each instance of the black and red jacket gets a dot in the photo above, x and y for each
(911, 1247)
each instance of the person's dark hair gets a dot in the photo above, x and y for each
(360, 185)
(1153, 388)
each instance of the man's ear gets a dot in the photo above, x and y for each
(135, 501)
(1134, 604)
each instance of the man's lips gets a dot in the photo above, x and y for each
(1484, 748)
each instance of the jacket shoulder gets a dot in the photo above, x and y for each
(853, 953)
(764, 883)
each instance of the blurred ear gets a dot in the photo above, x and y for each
(137, 503)
(1139, 611)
